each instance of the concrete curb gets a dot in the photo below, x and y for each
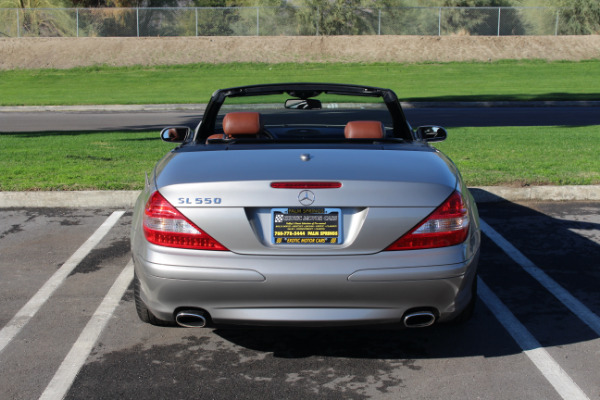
(499, 104)
(491, 194)
(109, 108)
(201, 106)
(76, 199)
(126, 199)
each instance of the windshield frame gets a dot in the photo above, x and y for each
(401, 128)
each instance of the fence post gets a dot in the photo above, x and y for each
(440, 21)
(18, 25)
(137, 20)
(196, 9)
(379, 23)
(317, 17)
(499, 11)
(556, 27)
(257, 22)
(77, 20)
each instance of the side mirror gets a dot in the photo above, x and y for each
(303, 104)
(432, 133)
(175, 134)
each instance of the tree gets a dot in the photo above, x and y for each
(216, 21)
(121, 18)
(340, 17)
(470, 21)
(579, 17)
(225, 18)
(40, 17)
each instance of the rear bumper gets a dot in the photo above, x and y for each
(308, 291)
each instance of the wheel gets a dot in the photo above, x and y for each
(142, 311)
(467, 313)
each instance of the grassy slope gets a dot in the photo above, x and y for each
(526, 155)
(78, 160)
(111, 161)
(486, 156)
(503, 80)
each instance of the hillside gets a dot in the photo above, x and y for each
(29, 53)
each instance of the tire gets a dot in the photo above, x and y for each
(142, 310)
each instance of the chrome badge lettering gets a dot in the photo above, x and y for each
(198, 201)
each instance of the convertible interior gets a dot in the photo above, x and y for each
(250, 125)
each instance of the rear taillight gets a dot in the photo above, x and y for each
(165, 226)
(448, 225)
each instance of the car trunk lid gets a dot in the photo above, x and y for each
(382, 194)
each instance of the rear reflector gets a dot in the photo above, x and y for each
(165, 226)
(448, 225)
(306, 185)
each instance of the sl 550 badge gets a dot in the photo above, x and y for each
(198, 201)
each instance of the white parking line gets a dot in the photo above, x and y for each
(558, 378)
(577, 307)
(27, 312)
(66, 373)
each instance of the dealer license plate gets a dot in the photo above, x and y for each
(307, 225)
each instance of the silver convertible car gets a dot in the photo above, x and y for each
(305, 204)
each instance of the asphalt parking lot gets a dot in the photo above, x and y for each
(69, 326)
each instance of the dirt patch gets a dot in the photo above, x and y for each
(29, 53)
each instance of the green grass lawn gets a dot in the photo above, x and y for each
(476, 81)
(119, 160)
(520, 156)
(78, 160)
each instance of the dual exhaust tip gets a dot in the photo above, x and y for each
(196, 318)
(418, 319)
(192, 318)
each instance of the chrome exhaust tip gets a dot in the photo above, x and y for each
(191, 318)
(420, 319)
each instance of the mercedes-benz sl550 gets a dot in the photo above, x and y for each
(305, 204)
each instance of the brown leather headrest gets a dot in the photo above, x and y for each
(242, 123)
(215, 136)
(363, 130)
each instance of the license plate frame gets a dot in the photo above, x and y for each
(306, 226)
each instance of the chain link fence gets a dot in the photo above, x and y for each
(279, 21)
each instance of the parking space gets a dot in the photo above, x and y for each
(34, 243)
(533, 335)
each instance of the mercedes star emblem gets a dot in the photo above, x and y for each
(306, 197)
